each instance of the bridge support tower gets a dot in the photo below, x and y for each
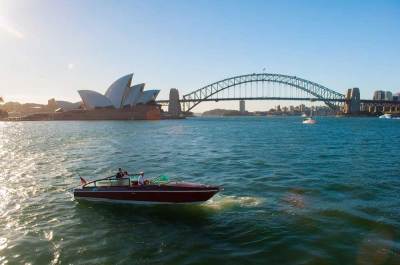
(174, 106)
(242, 106)
(352, 103)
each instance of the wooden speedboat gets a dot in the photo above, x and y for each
(156, 191)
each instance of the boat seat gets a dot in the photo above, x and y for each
(134, 183)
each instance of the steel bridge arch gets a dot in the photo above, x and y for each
(331, 98)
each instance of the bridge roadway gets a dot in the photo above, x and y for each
(166, 101)
(368, 101)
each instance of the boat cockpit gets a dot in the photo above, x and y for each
(126, 181)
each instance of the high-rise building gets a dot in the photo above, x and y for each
(242, 106)
(388, 96)
(379, 95)
(396, 97)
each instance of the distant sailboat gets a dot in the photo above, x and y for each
(310, 120)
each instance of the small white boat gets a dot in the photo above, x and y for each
(386, 116)
(303, 115)
(309, 120)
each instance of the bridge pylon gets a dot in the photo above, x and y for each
(174, 106)
(352, 103)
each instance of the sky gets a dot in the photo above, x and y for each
(51, 49)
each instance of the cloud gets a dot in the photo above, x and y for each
(70, 66)
(6, 27)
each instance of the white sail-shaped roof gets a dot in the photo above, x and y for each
(117, 91)
(119, 95)
(148, 96)
(134, 94)
(92, 99)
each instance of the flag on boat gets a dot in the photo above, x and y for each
(83, 181)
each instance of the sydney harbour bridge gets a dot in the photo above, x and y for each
(269, 86)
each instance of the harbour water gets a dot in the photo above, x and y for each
(294, 194)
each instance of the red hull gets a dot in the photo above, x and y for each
(178, 193)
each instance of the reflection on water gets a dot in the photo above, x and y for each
(376, 248)
(293, 194)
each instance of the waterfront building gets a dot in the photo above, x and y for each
(61, 105)
(92, 99)
(133, 95)
(242, 106)
(378, 95)
(117, 91)
(396, 97)
(388, 96)
(120, 102)
(119, 95)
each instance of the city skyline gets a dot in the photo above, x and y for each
(52, 49)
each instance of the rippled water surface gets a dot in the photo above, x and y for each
(294, 194)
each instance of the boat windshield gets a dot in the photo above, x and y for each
(131, 180)
(110, 182)
(162, 179)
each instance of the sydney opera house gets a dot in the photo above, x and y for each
(119, 95)
(121, 101)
